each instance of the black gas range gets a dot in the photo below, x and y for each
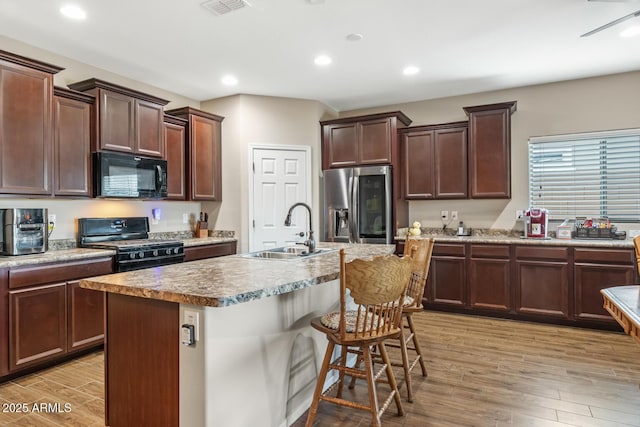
(129, 237)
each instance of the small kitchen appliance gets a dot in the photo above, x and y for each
(537, 222)
(129, 237)
(23, 231)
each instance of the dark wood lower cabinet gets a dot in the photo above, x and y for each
(149, 361)
(542, 288)
(489, 284)
(535, 282)
(37, 324)
(85, 308)
(193, 253)
(447, 280)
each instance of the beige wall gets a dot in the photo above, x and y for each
(260, 120)
(594, 104)
(68, 210)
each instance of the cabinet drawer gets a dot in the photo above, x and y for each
(490, 251)
(525, 252)
(622, 256)
(194, 253)
(449, 249)
(52, 273)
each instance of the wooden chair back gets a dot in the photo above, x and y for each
(636, 244)
(378, 287)
(420, 251)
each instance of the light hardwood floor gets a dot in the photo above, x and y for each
(482, 372)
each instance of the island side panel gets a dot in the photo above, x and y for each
(141, 362)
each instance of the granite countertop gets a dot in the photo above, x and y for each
(54, 256)
(515, 240)
(230, 280)
(199, 241)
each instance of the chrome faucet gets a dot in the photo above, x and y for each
(310, 242)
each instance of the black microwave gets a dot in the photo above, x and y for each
(122, 175)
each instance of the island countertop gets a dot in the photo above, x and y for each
(234, 279)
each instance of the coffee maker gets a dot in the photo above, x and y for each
(537, 221)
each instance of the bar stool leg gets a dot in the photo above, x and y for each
(322, 376)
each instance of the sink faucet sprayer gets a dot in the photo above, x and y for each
(310, 242)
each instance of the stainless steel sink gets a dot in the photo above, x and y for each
(287, 252)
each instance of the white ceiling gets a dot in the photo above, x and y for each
(461, 46)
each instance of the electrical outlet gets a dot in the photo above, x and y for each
(454, 215)
(444, 215)
(519, 214)
(193, 318)
(52, 219)
(185, 218)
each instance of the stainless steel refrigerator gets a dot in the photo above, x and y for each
(358, 205)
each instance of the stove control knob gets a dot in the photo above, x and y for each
(155, 252)
(168, 251)
(132, 255)
(176, 250)
(140, 254)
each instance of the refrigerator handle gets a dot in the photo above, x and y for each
(353, 209)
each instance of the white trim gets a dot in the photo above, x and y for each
(280, 147)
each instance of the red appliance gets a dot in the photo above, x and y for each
(537, 221)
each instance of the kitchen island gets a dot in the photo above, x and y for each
(255, 358)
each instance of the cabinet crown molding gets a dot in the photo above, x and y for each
(511, 106)
(28, 62)
(184, 112)
(398, 114)
(101, 84)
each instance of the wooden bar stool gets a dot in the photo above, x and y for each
(376, 286)
(420, 251)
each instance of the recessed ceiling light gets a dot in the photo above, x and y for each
(322, 60)
(354, 37)
(73, 12)
(229, 80)
(410, 70)
(631, 31)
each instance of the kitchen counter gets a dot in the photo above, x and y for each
(230, 280)
(54, 256)
(248, 351)
(505, 239)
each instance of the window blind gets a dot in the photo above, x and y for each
(592, 174)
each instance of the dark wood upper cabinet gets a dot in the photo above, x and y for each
(175, 139)
(362, 140)
(26, 128)
(127, 120)
(72, 113)
(434, 161)
(490, 150)
(204, 153)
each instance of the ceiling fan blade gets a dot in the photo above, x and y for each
(612, 23)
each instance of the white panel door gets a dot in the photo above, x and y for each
(280, 179)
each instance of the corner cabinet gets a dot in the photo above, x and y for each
(434, 161)
(490, 150)
(175, 139)
(204, 153)
(26, 125)
(72, 143)
(127, 120)
(362, 140)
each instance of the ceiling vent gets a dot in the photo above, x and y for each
(222, 7)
